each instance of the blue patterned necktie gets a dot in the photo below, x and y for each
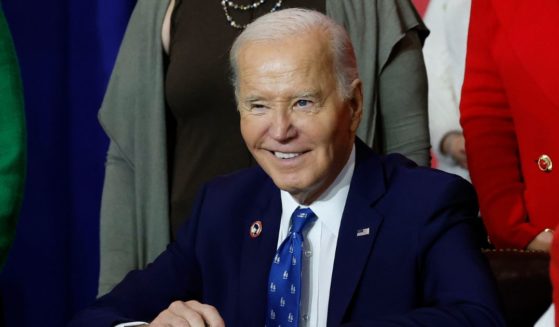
(284, 284)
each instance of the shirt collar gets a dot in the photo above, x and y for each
(330, 205)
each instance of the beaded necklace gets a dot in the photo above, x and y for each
(228, 4)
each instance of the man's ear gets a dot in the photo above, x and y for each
(356, 103)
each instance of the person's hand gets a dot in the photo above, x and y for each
(542, 242)
(188, 314)
(453, 145)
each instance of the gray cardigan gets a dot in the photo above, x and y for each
(387, 36)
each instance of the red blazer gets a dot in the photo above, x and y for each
(510, 116)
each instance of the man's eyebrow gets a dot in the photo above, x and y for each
(252, 98)
(308, 94)
(304, 94)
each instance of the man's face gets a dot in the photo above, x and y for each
(293, 119)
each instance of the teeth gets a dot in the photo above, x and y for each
(283, 155)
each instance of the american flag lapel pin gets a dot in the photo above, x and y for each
(363, 231)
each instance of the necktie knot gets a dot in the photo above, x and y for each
(299, 218)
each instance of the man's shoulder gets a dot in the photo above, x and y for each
(398, 168)
(403, 177)
(423, 201)
(396, 173)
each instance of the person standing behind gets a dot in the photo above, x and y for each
(510, 114)
(445, 59)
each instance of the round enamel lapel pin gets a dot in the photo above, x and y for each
(255, 229)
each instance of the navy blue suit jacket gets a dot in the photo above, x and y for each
(419, 265)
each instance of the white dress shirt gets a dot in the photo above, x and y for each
(319, 247)
(548, 318)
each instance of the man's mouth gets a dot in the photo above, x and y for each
(286, 155)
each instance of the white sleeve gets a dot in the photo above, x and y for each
(134, 323)
(444, 54)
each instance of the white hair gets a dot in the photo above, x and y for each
(286, 23)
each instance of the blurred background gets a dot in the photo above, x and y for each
(66, 50)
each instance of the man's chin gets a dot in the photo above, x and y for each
(289, 188)
(302, 195)
(289, 181)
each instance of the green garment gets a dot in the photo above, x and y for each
(12, 140)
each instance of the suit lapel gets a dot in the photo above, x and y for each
(534, 40)
(354, 243)
(352, 251)
(256, 256)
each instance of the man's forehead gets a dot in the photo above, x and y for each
(286, 79)
(306, 42)
(284, 57)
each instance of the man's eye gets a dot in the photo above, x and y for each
(303, 104)
(257, 108)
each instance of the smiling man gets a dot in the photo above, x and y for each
(295, 121)
(324, 232)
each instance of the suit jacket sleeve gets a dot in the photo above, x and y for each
(456, 284)
(143, 294)
(491, 142)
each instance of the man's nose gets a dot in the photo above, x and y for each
(282, 128)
